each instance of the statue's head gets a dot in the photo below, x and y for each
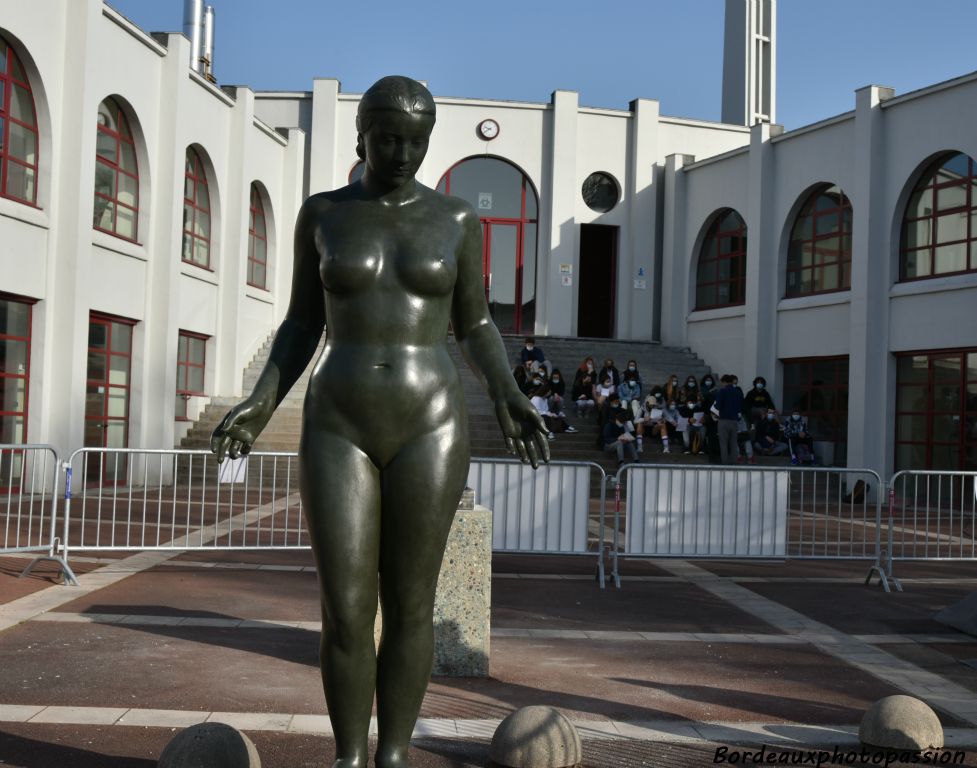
(393, 124)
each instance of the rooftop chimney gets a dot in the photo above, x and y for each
(193, 18)
(208, 51)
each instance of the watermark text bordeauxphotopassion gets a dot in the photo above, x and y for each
(819, 757)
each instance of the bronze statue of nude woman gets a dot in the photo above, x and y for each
(384, 265)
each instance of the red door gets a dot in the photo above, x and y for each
(107, 396)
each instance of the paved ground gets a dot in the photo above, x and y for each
(686, 658)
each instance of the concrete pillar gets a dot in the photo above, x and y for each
(762, 288)
(233, 265)
(292, 196)
(560, 312)
(322, 138)
(160, 325)
(69, 256)
(871, 429)
(675, 255)
(637, 307)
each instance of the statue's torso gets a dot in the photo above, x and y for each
(388, 278)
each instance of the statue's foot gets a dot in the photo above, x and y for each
(350, 762)
(391, 757)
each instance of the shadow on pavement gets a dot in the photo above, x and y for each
(21, 752)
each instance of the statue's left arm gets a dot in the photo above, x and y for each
(524, 430)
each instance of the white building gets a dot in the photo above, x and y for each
(598, 222)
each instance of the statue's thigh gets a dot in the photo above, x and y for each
(421, 490)
(340, 489)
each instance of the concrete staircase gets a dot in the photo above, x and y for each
(655, 363)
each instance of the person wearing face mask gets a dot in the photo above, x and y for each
(633, 368)
(769, 436)
(757, 402)
(689, 391)
(708, 391)
(691, 424)
(630, 391)
(670, 390)
(558, 387)
(610, 370)
(583, 388)
(799, 440)
(533, 355)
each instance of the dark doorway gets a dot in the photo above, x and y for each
(598, 278)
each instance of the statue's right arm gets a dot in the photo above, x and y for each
(293, 347)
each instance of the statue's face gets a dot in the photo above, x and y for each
(396, 144)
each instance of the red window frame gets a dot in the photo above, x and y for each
(828, 214)
(830, 423)
(183, 365)
(910, 409)
(113, 471)
(711, 256)
(121, 138)
(256, 237)
(926, 227)
(26, 375)
(196, 208)
(520, 322)
(9, 81)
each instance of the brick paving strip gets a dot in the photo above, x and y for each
(782, 734)
(510, 632)
(34, 605)
(935, 690)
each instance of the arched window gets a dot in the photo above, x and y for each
(18, 130)
(116, 173)
(507, 206)
(939, 231)
(720, 279)
(257, 242)
(196, 212)
(819, 253)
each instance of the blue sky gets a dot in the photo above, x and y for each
(610, 53)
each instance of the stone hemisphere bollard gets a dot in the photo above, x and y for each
(901, 722)
(210, 745)
(535, 737)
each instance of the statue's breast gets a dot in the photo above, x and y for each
(362, 253)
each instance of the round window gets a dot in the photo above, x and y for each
(600, 192)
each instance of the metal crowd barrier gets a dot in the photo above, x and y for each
(930, 516)
(732, 512)
(543, 511)
(135, 499)
(29, 505)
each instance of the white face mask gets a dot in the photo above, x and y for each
(759, 385)
(795, 416)
(632, 368)
(691, 405)
(529, 347)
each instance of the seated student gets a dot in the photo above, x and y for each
(670, 389)
(557, 412)
(689, 391)
(686, 408)
(533, 355)
(632, 367)
(799, 440)
(603, 390)
(609, 370)
(582, 392)
(651, 421)
(743, 442)
(522, 380)
(554, 421)
(696, 428)
(671, 418)
(617, 439)
(630, 392)
(769, 437)
(558, 387)
(757, 402)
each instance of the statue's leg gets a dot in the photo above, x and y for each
(421, 490)
(341, 495)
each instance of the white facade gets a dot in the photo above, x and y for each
(673, 175)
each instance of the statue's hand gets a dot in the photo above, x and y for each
(525, 431)
(238, 430)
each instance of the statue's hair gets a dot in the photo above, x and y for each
(394, 93)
